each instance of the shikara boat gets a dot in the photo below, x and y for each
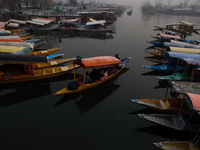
(181, 27)
(194, 144)
(95, 26)
(179, 121)
(184, 86)
(52, 63)
(179, 103)
(11, 40)
(191, 72)
(69, 24)
(170, 66)
(110, 66)
(44, 52)
(159, 52)
(18, 68)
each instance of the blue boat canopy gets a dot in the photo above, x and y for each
(181, 55)
(192, 61)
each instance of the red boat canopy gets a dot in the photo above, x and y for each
(169, 36)
(195, 99)
(101, 61)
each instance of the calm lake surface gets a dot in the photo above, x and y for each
(103, 118)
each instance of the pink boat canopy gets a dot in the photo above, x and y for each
(45, 19)
(195, 100)
(169, 36)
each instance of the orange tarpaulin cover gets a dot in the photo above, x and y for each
(195, 99)
(100, 61)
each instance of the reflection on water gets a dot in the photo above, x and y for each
(16, 93)
(169, 133)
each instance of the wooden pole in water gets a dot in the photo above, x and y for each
(166, 90)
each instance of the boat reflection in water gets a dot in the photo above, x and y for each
(20, 92)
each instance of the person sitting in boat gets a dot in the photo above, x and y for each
(87, 78)
(95, 75)
(117, 56)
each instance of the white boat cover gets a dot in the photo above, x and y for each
(42, 21)
(13, 25)
(36, 23)
(95, 22)
(17, 21)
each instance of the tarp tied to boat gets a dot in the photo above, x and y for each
(187, 23)
(21, 59)
(101, 61)
(182, 55)
(192, 61)
(194, 98)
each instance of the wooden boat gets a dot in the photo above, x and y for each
(4, 32)
(51, 63)
(69, 24)
(11, 40)
(190, 73)
(170, 66)
(179, 121)
(176, 145)
(38, 44)
(95, 26)
(55, 56)
(22, 69)
(44, 52)
(159, 52)
(180, 145)
(184, 86)
(111, 65)
(167, 104)
(181, 27)
(26, 37)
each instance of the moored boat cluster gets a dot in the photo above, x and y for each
(22, 60)
(178, 58)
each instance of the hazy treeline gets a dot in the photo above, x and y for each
(13, 5)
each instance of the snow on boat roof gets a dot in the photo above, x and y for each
(95, 22)
(13, 25)
(187, 23)
(45, 19)
(37, 23)
(41, 21)
(173, 24)
(17, 21)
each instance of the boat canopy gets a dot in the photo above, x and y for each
(22, 59)
(169, 32)
(70, 20)
(169, 36)
(36, 23)
(187, 23)
(181, 55)
(96, 22)
(192, 61)
(42, 21)
(194, 98)
(184, 50)
(2, 24)
(15, 25)
(10, 37)
(45, 19)
(17, 21)
(173, 24)
(101, 61)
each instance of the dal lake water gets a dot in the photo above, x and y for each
(102, 118)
